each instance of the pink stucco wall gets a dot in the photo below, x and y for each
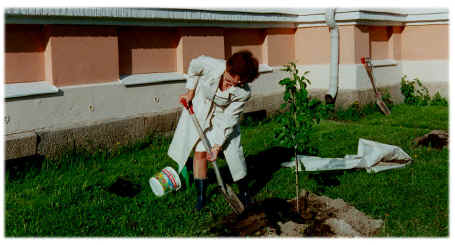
(81, 55)
(24, 53)
(347, 46)
(361, 43)
(425, 42)
(199, 41)
(396, 42)
(240, 39)
(147, 50)
(71, 55)
(280, 46)
(381, 43)
(312, 45)
(48, 70)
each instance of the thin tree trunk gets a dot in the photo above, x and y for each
(295, 155)
(296, 179)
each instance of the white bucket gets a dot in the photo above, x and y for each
(165, 181)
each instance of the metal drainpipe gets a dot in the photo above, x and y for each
(334, 51)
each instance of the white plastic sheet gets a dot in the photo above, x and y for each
(372, 156)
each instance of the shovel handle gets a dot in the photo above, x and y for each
(366, 61)
(205, 142)
(189, 108)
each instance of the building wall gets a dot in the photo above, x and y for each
(425, 55)
(396, 42)
(147, 50)
(425, 42)
(380, 42)
(83, 55)
(361, 44)
(24, 53)
(197, 41)
(75, 55)
(312, 45)
(279, 47)
(86, 63)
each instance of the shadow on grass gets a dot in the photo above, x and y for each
(327, 179)
(261, 168)
(263, 165)
(16, 169)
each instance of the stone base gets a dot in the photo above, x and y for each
(114, 133)
(20, 145)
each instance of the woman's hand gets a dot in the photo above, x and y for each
(188, 96)
(212, 156)
(230, 80)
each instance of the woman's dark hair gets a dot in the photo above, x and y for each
(243, 64)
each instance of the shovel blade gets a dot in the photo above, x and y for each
(383, 106)
(233, 200)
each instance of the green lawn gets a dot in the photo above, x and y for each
(71, 198)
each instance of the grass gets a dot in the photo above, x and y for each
(70, 197)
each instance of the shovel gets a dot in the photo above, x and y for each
(228, 193)
(367, 64)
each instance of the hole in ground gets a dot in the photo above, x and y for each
(124, 187)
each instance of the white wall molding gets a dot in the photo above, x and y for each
(152, 78)
(15, 90)
(263, 68)
(386, 62)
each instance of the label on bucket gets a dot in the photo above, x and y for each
(165, 181)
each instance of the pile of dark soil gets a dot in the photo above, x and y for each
(436, 139)
(319, 216)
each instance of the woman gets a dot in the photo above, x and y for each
(218, 90)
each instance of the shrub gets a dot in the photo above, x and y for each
(386, 97)
(439, 100)
(416, 94)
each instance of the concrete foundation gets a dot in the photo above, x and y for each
(113, 133)
(20, 145)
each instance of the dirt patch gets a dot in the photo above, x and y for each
(436, 139)
(320, 216)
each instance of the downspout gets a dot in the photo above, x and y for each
(334, 51)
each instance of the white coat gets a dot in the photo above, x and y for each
(204, 74)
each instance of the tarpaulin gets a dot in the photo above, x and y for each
(371, 156)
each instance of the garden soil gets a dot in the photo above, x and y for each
(436, 139)
(320, 216)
